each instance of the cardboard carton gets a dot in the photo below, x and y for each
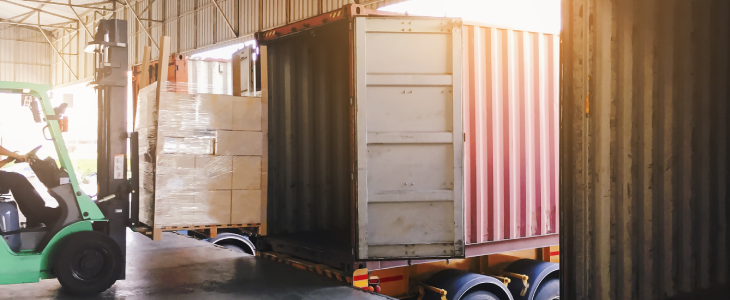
(218, 109)
(246, 207)
(214, 172)
(246, 173)
(215, 208)
(238, 143)
(246, 113)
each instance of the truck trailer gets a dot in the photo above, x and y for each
(413, 156)
(421, 149)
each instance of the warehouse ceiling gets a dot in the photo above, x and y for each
(53, 14)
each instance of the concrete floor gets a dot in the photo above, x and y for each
(186, 268)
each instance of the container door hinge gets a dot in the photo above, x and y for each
(350, 101)
(464, 136)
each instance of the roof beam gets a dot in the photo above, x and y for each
(10, 27)
(36, 25)
(69, 41)
(142, 25)
(54, 48)
(148, 7)
(148, 20)
(81, 23)
(101, 2)
(215, 2)
(26, 15)
(88, 5)
(38, 10)
(31, 12)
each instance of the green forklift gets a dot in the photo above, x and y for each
(85, 248)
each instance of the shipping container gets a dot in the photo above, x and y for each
(511, 134)
(366, 142)
(375, 161)
(407, 146)
(644, 153)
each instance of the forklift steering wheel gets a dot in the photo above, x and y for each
(32, 155)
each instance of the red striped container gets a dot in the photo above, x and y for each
(511, 133)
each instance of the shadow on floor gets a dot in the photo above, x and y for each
(183, 268)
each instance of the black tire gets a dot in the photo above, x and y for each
(479, 295)
(548, 290)
(88, 263)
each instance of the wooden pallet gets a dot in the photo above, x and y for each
(156, 232)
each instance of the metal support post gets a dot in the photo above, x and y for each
(215, 2)
(54, 48)
(81, 23)
(110, 81)
(142, 25)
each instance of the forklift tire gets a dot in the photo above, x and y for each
(549, 290)
(479, 295)
(88, 263)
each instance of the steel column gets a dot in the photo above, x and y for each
(215, 2)
(57, 52)
(142, 25)
(81, 23)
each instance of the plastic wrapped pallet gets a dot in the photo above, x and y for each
(200, 158)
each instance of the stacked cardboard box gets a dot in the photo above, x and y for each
(207, 166)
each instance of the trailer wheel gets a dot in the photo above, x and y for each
(88, 263)
(479, 295)
(234, 242)
(234, 248)
(549, 290)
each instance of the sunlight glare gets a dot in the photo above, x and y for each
(529, 15)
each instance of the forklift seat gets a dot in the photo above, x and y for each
(4, 192)
(69, 213)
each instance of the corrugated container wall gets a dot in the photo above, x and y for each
(511, 133)
(193, 26)
(24, 55)
(309, 134)
(644, 151)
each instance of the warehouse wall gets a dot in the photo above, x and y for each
(193, 26)
(644, 154)
(24, 55)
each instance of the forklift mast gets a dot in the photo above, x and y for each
(110, 82)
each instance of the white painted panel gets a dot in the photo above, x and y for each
(210, 77)
(171, 31)
(409, 163)
(187, 32)
(248, 17)
(223, 31)
(401, 219)
(409, 109)
(409, 53)
(171, 9)
(410, 167)
(7, 71)
(205, 26)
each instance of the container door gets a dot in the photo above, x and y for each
(409, 137)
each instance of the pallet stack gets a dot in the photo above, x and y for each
(200, 159)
